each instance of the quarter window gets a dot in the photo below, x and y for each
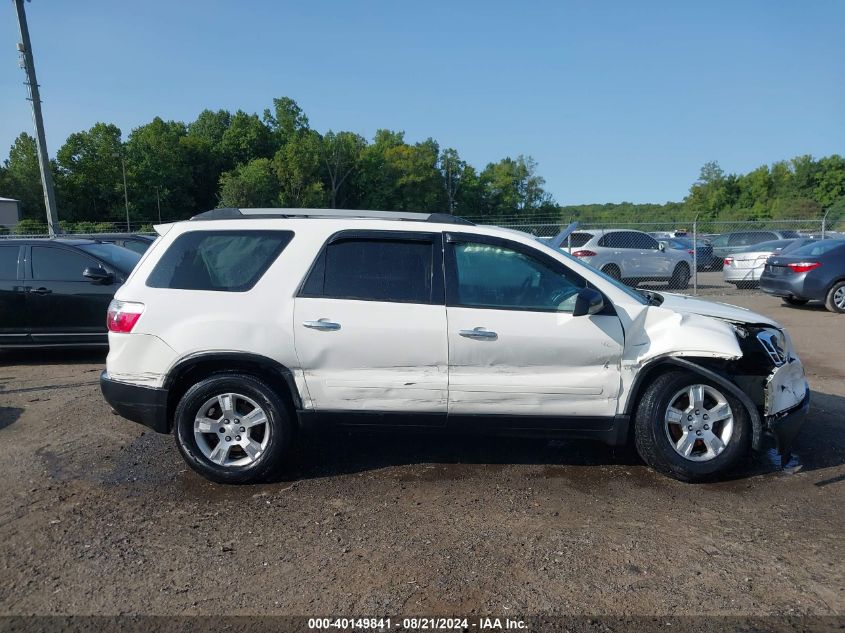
(58, 264)
(227, 261)
(396, 270)
(493, 276)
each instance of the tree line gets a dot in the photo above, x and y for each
(175, 169)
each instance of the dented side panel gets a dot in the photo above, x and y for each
(539, 363)
(656, 332)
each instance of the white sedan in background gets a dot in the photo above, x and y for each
(744, 266)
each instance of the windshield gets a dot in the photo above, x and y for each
(121, 258)
(577, 239)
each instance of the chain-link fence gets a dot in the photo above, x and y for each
(689, 257)
(696, 257)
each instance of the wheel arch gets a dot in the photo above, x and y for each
(190, 369)
(658, 366)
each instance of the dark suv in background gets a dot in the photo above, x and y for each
(56, 292)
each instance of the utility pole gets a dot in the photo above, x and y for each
(25, 49)
(158, 204)
(125, 190)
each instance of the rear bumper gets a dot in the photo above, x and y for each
(144, 405)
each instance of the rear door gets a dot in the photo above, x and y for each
(370, 325)
(62, 306)
(514, 347)
(13, 326)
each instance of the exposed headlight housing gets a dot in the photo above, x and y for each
(774, 342)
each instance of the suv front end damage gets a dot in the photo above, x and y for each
(738, 347)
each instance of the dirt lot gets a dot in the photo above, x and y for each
(97, 516)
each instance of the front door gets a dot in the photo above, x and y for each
(514, 347)
(370, 327)
(63, 306)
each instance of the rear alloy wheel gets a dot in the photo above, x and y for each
(233, 428)
(794, 301)
(690, 428)
(835, 301)
(680, 277)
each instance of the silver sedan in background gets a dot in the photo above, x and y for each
(744, 266)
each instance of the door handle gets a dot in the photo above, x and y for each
(323, 325)
(39, 291)
(479, 333)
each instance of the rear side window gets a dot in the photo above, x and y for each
(9, 262)
(227, 261)
(579, 239)
(373, 270)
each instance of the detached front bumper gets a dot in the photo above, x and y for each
(786, 425)
(145, 405)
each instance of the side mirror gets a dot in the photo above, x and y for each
(98, 275)
(661, 246)
(589, 301)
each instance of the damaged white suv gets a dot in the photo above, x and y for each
(242, 328)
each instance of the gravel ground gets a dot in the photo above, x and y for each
(98, 516)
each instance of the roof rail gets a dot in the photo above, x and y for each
(231, 213)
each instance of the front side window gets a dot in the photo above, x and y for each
(374, 269)
(493, 276)
(50, 263)
(121, 258)
(227, 261)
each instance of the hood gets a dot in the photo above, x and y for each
(693, 305)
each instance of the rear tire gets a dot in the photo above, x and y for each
(793, 301)
(612, 270)
(835, 301)
(680, 277)
(233, 428)
(713, 446)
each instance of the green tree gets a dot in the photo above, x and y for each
(298, 167)
(159, 168)
(251, 185)
(89, 177)
(285, 120)
(245, 139)
(452, 169)
(23, 178)
(341, 154)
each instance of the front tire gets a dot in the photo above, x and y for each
(691, 429)
(233, 429)
(680, 277)
(835, 300)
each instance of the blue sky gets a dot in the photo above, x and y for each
(615, 100)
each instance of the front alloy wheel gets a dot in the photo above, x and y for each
(699, 422)
(690, 428)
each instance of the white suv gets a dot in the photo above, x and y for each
(240, 329)
(630, 256)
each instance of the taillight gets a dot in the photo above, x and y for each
(729, 261)
(691, 251)
(123, 315)
(803, 267)
(584, 254)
